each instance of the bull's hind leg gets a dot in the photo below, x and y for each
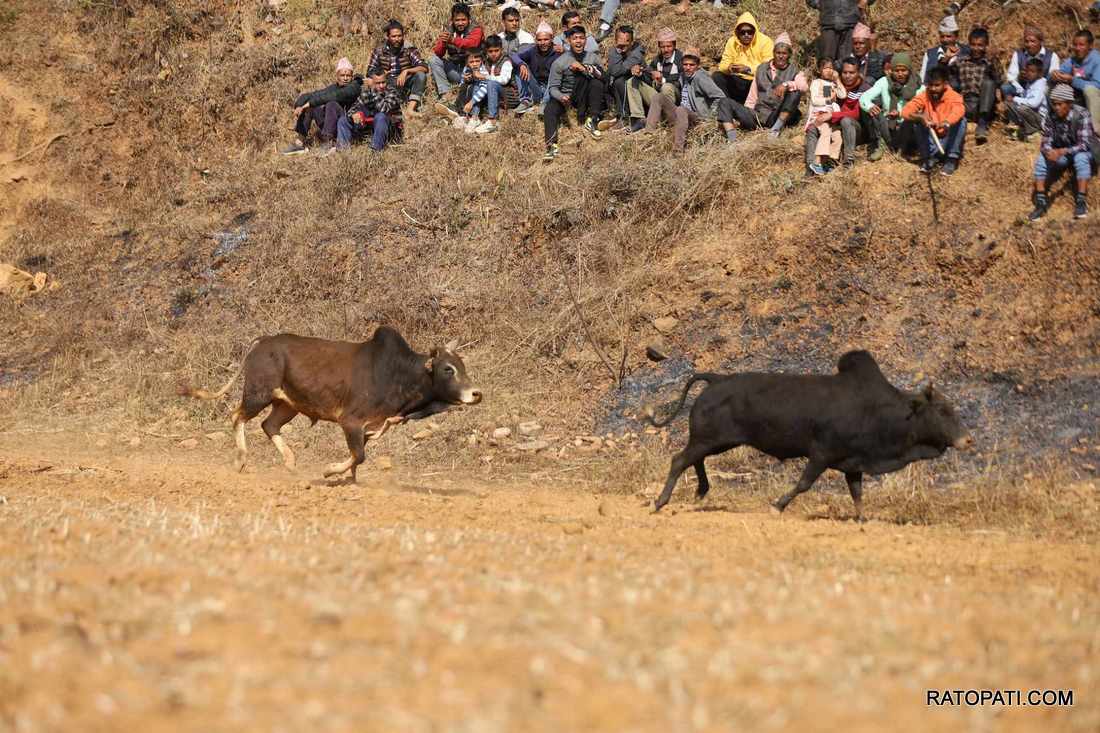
(692, 455)
(704, 482)
(281, 414)
(248, 409)
(354, 436)
(855, 488)
(810, 473)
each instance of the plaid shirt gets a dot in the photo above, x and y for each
(1072, 133)
(972, 71)
(372, 102)
(384, 60)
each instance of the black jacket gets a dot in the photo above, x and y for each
(837, 14)
(345, 95)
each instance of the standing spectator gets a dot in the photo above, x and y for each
(449, 51)
(1066, 137)
(872, 62)
(939, 113)
(607, 18)
(884, 103)
(980, 79)
(855, 124)
(325, 107)
(746, 49)
(1028, 109)
(625, 66)
(664, 75)
(1082, 71)
(701, 100)
(837, 19)
(533, 66)
(776, 92)
(402, 64)
(1033, 48)
(577, 81)
(947, 53)
(377, 113)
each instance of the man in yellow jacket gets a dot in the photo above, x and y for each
(746, 49)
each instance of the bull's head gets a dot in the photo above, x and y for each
(450, 382)
(937, 422)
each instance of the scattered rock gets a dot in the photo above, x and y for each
(434, 426)
(383, 463)
(422, 435)
(101, 443)
(189, 443)
(666, 324)
(654, 353)
(534, 445)
(572, 528)
(528, 429)
(135, 442)
(215, 436)
(604, 509)
(501, 433)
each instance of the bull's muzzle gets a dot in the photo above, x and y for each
(471, 396)
(966, 442)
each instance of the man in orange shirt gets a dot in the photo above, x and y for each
(938, 112)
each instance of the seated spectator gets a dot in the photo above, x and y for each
(872, 62)
(577, 81)
(483, 84)
(377, 113)
(324, 108)
(701, 100)
(1033, 48)
(947, 53)
(980, 79)
(450, 48)
(1066, 136)
(401, 63)
(625, 64)
(515, 39)
(662, 77)
(825, 92)
(855, 125)
(1027, 109)
(940, 116)
(884, 102)
(1082, 71)
(572, 19)
(534, 70)
(838, 19)
(746, 49)
(775, 93)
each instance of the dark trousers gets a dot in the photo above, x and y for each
(852, 131)
(587, 98)
(981, 107)
(1028, 119)
(751, 119)
(618, 95)
(733, 86)
(325, 118)
(834, 44)
(899, 135)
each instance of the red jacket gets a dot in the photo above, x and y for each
(460, 45)
(849, 106)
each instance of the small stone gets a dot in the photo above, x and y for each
(572, 528)
(383, 463)
(434, 426)
(189, 443)
(135, 442)
(534, 445)
(422, 435)
(101, 443)
(501, 433)
(214, 437)
(666, 324)
(528, 429)
(604, 509)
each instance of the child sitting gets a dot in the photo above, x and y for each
(825, 90)
(480, 86)
(1028, 108)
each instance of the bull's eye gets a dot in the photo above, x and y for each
(449, 371)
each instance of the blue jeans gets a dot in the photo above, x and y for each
(490, 92)
(1009, 90)
(952, 142)
(610, 7)
(1051, 172)
(445, 73)
(380, 132)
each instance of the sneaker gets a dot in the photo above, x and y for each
(605, 31)
(459, 123)
(486, 127)
(1041, 206)
(949, 167)
(551, 152)
(523, 108)
(446, 109)
(816, 169)
(295, 148)
(593, 129)
(609, 124)
(636, 126)
(875, 154)
(1081, 207)
(472, 123)
(774, 134)
(928, 166)
(981, 135)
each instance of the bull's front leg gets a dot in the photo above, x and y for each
(353, 434)
(379, 432)
(855, 488)
(810, 473)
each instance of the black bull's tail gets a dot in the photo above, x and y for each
(704, 377)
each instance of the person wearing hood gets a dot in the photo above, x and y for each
(1067, 143)
(776, 92)
(746, 49)
(947, 53)
(325, 107)
(837, 19)
(884, 101)
(533, 69)
(401, 63)
(700, 100)
(663, 76)
(1082, 72)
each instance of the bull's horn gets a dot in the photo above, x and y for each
(451, 345)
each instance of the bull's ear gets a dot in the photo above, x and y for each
(451, 345)
(430, 363)
(917, 402)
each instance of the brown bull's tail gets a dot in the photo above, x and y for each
(202, 394)
(704, 377)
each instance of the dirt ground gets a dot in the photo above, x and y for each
(156, 589)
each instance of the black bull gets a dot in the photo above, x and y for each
(854, 421)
